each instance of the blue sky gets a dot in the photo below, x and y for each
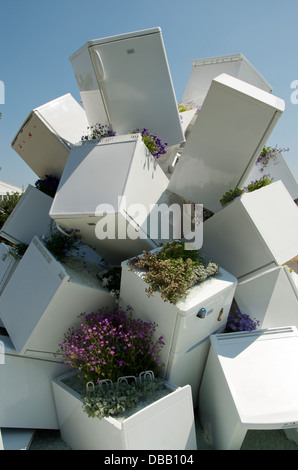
(37, 37)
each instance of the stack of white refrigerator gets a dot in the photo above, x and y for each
(109, 189)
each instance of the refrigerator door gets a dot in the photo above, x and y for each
(269, 295)
(229, 133)
(130, 78)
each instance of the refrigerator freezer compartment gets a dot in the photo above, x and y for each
(250, 382)
(225, 141)
(45, 138)
(125, 81)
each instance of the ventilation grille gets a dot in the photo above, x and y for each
(256, 333)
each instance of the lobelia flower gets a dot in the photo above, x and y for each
(238, 321)
(269, 153)
(152, 142)
(110, 344)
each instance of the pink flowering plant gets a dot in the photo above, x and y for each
(111, 344)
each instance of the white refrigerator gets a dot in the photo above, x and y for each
(44, 297)
(106, 192)
(45, 138)
(226, 139)
(185, 326)
(125, 81)
(253, 231)
(203, 71)
(250, 382)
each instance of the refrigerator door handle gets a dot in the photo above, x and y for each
(100, 76)
(98, 64)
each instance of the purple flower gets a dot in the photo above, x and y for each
(111, 344)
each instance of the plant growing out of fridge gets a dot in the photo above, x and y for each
(62, 245)
(269, 154)
(252, 186)
(111, 279)
(172, 270)
(106, 346)
(98, 132)
(48, 185)
(153, 143)
(238, 321)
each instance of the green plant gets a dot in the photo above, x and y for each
(60, 245)
(48, 185)
(174, 270)
(111, 279)
(257, 184)
(116, 398)
(99, 131)
(153, 143)
(16, 251)
(232, 194)
(182, 107)
(7, 205)
(269, 154)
